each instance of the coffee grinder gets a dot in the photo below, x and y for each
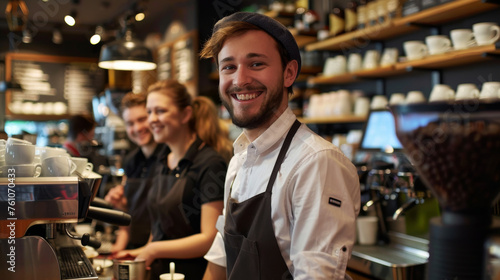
(455, 147)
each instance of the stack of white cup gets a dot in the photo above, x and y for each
(19, 159)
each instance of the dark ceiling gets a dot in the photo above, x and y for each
(47, 15)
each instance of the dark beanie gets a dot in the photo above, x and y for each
(274, 28)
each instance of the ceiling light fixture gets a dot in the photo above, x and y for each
(96, 38)
(57, 36)
(70, 19)
(126, 53)
(140, 16)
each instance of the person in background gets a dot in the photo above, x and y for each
(186, 197)
(291, 197)
(139, 164)
(81, 132)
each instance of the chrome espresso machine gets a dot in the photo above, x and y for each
(36, 220)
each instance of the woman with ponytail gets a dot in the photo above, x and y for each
(187, 196)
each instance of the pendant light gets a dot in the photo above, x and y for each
(126, 53)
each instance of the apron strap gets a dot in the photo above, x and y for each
(281, 156)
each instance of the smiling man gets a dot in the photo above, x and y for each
(291, 197)
(131, 195)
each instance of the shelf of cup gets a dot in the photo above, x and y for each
(452, 58)
(334, 119)
(433, 16)
(379, 72)
(34, 117)
(447, 12)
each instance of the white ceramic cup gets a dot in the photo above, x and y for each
(379, 102)
(371, 59)
(11, 141)
(58, 166)
(397, 98)
(335, 65)
(19, 154)
(489, 90)
(441, 92)
(415, 50)
(354, 62)
(486, 33)
(462, 39)
(45, 152)
(21, 170)
(167, 276)
(467, 91)
(438, 44)
(367, 229)
(389, 56)
(83, 166)
(415, 96)
(362, 106)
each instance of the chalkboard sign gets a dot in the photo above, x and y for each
(178, 60)
(51, 86)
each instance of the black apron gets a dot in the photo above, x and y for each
(252, 251)
(136, 192)
(165, 200)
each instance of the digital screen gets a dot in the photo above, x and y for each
(380, 132)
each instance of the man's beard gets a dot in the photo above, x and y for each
(266, 111)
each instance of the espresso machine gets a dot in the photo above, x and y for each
(36, 220)
(455, 148)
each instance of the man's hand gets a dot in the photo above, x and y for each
(116, 196)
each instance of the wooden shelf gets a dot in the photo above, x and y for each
(437, 15)
(334, 119)
(38, 118)
(450, 59)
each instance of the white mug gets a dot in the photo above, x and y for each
(354, 62)
(361, 106)
(415, 50)
(335, 65)
(379, 102)
(397, 98)
(442, 92)
(45, 152)
(415, 96)
(467, 91)
(438, 44)
(462, 39)
(489, 90)
(19, 153)
(486, 33)
(58, 166)
(371, 59)
(83, 166)
(21, 170)
(389, 57)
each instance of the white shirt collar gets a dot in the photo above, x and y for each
(267, 139)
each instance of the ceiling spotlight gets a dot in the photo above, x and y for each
(140, 16)
(96, 38)
(27, 36)
(70, 19)
(57, 36)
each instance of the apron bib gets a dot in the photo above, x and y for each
(252, 251)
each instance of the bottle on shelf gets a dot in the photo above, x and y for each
(381, 11)
(372, 13)
(351, 19)
(394, 9)
(337, 21)
(361, 14)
